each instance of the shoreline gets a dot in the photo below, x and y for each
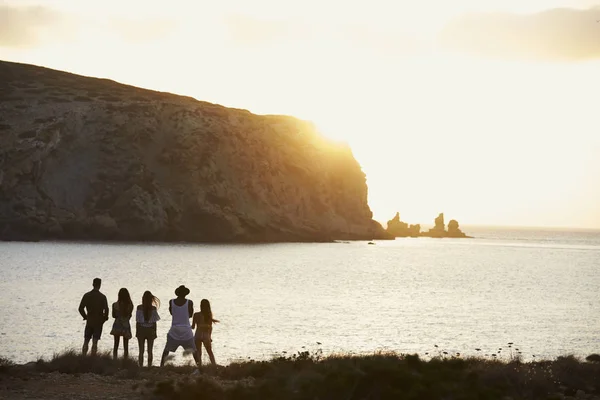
(215, 242)
(221, 243)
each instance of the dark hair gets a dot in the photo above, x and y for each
(206, 312)
(148, 299)
(125, 303)
(97, 282)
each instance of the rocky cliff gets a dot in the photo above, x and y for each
(86, 158)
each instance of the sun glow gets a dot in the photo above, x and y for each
(485, 140)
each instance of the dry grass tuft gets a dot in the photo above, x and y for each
(73, 362)
(5, 364)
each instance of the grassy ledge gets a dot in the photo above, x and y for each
(378, 376)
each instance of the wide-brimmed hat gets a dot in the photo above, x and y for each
(182, 291)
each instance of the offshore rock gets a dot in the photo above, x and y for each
(85, 158)
(454, 231)
(439, 229)
(398, 228)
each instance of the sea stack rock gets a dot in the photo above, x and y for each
(439, 229)
(85, 158)
(397, 228)
(454, 231)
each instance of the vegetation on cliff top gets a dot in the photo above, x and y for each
(379, 376)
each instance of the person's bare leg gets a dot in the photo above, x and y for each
(150, 347)
(199, 351)
(85, 347)
(163, 359)
(141, 353)
(116, 346)
(196, 358)
(125, 348)
(94, 346)
(208, 346)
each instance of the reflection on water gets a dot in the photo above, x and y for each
(538, 289)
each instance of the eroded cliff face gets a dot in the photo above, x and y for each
(85, 158)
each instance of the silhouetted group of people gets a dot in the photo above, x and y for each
(94, 310)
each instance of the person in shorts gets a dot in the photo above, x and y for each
(94, 310)
(181, 333)
(146, 318)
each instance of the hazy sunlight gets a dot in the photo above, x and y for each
(499, 134)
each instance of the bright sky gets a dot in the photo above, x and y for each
(485, 110)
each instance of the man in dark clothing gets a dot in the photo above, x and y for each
(96, 305)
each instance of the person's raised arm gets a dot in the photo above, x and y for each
(191, 308)
(105, 310)
(82, 305)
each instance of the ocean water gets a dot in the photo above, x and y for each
(538, 289)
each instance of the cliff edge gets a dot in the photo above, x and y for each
(92, 159)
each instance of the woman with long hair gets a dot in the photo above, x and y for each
(121, 312)
(146, 317)
(204, 321)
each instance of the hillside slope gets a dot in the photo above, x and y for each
(86, 158)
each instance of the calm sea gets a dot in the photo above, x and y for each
(538, 289)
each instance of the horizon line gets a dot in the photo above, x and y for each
(522, 227)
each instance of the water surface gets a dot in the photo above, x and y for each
(536, 288)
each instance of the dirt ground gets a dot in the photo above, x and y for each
(57, 386)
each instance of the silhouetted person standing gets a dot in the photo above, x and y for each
(121, 312)
(94, 310)
(204, 321)
(181, 333)
(146, 318)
